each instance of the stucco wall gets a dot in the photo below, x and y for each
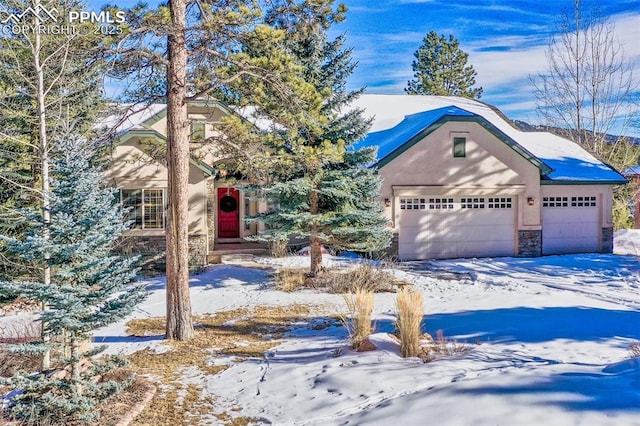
(131, 168)
(490, 167)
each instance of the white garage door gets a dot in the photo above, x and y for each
(570, 225)
(445, 227)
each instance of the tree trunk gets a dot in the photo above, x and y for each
(44, 165)
(315, 249)
(75, 364)
(179, 323)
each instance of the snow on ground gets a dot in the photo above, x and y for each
(627, 241)
(549, 343)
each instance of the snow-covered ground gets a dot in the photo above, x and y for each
(549, 343)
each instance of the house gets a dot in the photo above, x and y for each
(458, 181)
(216, 208)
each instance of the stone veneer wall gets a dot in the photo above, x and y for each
(393, 249)
(607, 240)
(151, 249)
(530, 243)
(211, 212)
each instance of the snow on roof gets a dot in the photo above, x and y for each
(396, 116)
(387, 140)
(130, 117)
(632, 171)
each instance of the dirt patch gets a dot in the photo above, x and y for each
(180, 371)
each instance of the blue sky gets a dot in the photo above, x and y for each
(505, 40)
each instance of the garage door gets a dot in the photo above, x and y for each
(445, 227)
(570, 225)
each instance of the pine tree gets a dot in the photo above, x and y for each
(441, 69)
(90, 287)
(186, 50)
(328, 194)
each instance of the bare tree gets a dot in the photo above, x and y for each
(587, 86)
(46, 82)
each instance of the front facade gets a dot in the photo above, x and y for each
(216, 207)
(458, 181)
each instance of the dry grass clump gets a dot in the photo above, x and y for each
(442, 346)
(358, 319)
(409, 321)
(363, 276)
(290, 279)
(240, 332)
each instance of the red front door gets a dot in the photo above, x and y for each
(228, 213)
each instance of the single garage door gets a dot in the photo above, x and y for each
(446, 227)
(570, 225)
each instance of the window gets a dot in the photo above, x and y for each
(459, 148)
(472, 203)
(555, 202)
(440, 203)
(197, 131)
(413, 203)
(583, 201)
(500, 203)
(145, 207)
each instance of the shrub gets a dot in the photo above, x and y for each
(443, 346)
(358, 319)
(634, 349)
(290, 279)
(364, 276)
(409, 320)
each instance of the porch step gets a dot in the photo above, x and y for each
(237, 258)
(234, 256)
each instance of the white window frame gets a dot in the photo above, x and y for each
(143, 223)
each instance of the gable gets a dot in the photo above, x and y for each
(130, 161)
(486, 162)
(416, 127)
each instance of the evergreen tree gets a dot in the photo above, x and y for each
(89, 286)
(441, 69)
(327, 195)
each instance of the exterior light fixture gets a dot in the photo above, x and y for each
(387, 202)
(530, 201)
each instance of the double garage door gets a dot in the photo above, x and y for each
(450, 227)
(570, 225)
